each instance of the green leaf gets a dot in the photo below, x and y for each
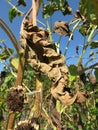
(14, 63)
(89, 8)
(72, 70)
(96, 74)
(4, 55)
(12, 14)
(49, 9)
(72, 78)
(65, 8)
(84, 30)
(56, 5)
(94, 45)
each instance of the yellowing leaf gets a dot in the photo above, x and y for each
(14, 63)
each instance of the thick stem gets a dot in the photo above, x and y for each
(11, 121)
(37, 108)
(38, 98)
(22, 60)
(35, 6)
(34, 12)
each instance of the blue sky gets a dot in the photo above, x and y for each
(15, 27)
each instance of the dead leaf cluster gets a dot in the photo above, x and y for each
(43, 57)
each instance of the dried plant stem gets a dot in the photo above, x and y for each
(37, 108)
(35, 7)
(34, 12)
(38, 98)
(11, 121)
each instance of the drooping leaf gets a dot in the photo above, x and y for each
(94, 45)
(12, 14)
(89, 8)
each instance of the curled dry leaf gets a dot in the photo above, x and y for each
(63, 97)
(62, 28)
(81, 97)
(43, 57)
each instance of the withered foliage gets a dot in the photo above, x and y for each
(62, 28)
(43, 57)
(15, 98)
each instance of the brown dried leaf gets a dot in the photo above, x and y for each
(42, 35)
(45, 68)
(54, 74)
(62, 28)
(81, 97)
(43, 57)
(23, 42)
(59, 60)
(50, 52)
(64, 97)
(67, 99)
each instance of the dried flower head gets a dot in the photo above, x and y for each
(15, 98)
